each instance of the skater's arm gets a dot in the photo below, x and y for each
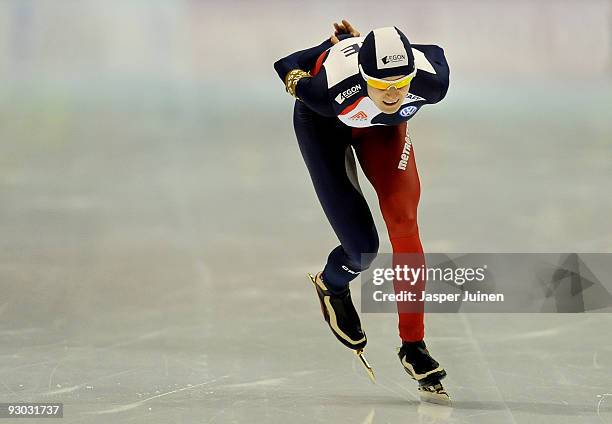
(311, 90)
(314, 93)
(435, 85)
(442, 69)
(303, 59)
(294, 71)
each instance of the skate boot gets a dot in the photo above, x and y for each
(425, 370)
(342, 318)
(340, 314)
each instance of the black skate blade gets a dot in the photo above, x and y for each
(366, 365)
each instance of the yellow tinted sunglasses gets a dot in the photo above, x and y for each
(382, 84)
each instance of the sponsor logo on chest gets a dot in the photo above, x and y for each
(410, 98)
(340, 98)
(360, 113)
(359, 116)
(408, 110)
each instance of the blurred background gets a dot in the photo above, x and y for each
(157, 221)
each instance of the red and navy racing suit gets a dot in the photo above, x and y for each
(334, 114)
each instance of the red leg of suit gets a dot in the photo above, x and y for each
(379, 150)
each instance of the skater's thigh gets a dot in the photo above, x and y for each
(323, 144)
(326, 149)
(387, 158)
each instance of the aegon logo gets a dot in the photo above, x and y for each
(393, 58)
(403, 163)
(348, 93)
(407, 111)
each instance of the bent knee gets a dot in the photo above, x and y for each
(362, 252)
(400, 214)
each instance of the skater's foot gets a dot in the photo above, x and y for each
(340, 314)
(419, 364)
(436, 393)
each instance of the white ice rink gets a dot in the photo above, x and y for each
(157, 222)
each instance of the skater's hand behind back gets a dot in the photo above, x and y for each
(343, 28)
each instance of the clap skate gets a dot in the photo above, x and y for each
(342, 318)
(418, 363)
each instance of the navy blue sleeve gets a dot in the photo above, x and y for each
(436, 84)
(439, 63)
(312, 91)
(304, 59)
(315, 94)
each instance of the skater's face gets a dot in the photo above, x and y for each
(388, 100)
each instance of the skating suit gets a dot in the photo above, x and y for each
(335, 117)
